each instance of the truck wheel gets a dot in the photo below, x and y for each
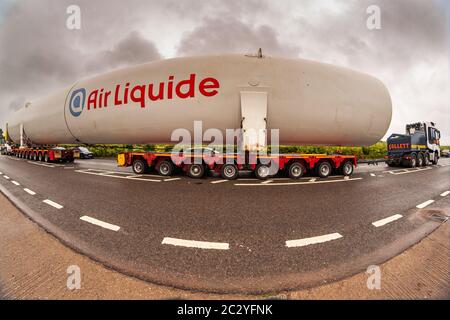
(196, 171)
(229, 171)
(426, 159)
(262, 171)
(420, 160)
(40, 157)
(413, 161)
(46, 157)
(436, 158)
(324, 169)
(347, 168)
(139, 166)
(296, 170)
(165, 168)
(35, 156)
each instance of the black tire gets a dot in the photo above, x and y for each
(40, 158)
(139, 166)
(324, 169)
(229, 171)
(420, 160)
(426, 159)
(262, 171)
(165, 168)
(347, 168)
(436, 158)
(196, 171)
(46, 159)
(34, 156)
(412, 163)
(296, 170)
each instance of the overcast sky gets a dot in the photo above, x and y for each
(38, 54)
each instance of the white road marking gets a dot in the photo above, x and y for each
(219, 181)
(1, 173)
(117, 177)
(42, 164)
(267, 181)
(313, 240)
(387, 220)
(425, 204)
(100, 223)
(293, 183)
(313, 180)
(6, 177)
(29, 191)
(412, 170)
(53, 204)
(373, 175)
(446, 193)
(196, 244)
(16, 183)
(172, 179)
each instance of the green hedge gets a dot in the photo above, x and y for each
(376, 151)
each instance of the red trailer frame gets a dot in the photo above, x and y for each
(310, 162)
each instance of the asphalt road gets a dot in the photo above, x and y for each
(241, 236)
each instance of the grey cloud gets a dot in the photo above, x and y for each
(230, 35)
(133, 49)
(39, 54)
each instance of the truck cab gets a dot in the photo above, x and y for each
(419, 146)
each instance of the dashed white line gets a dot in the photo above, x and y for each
(42, 164)
(294, 183)
(387, 220)
(29, 191)
(117, 177)
(219, 181)
(171, 179)
(444, 194)
(313, 240)
(424, 204)
(53, 204)
(373, 175)
(196, 244)
(6, 177)
(1, 173)
(100, 223)
(16, 183)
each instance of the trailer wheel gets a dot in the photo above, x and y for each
(347, 168)
(35, 156)
(324, 169)
(229, 171)
(46, 157)
(165, 168)
(40, 157)
(296, 170)
(262, 171)
(196, 171)
(139, 166)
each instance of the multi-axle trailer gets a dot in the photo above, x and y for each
(197, 164)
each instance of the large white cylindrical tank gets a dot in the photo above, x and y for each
(309, 102)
